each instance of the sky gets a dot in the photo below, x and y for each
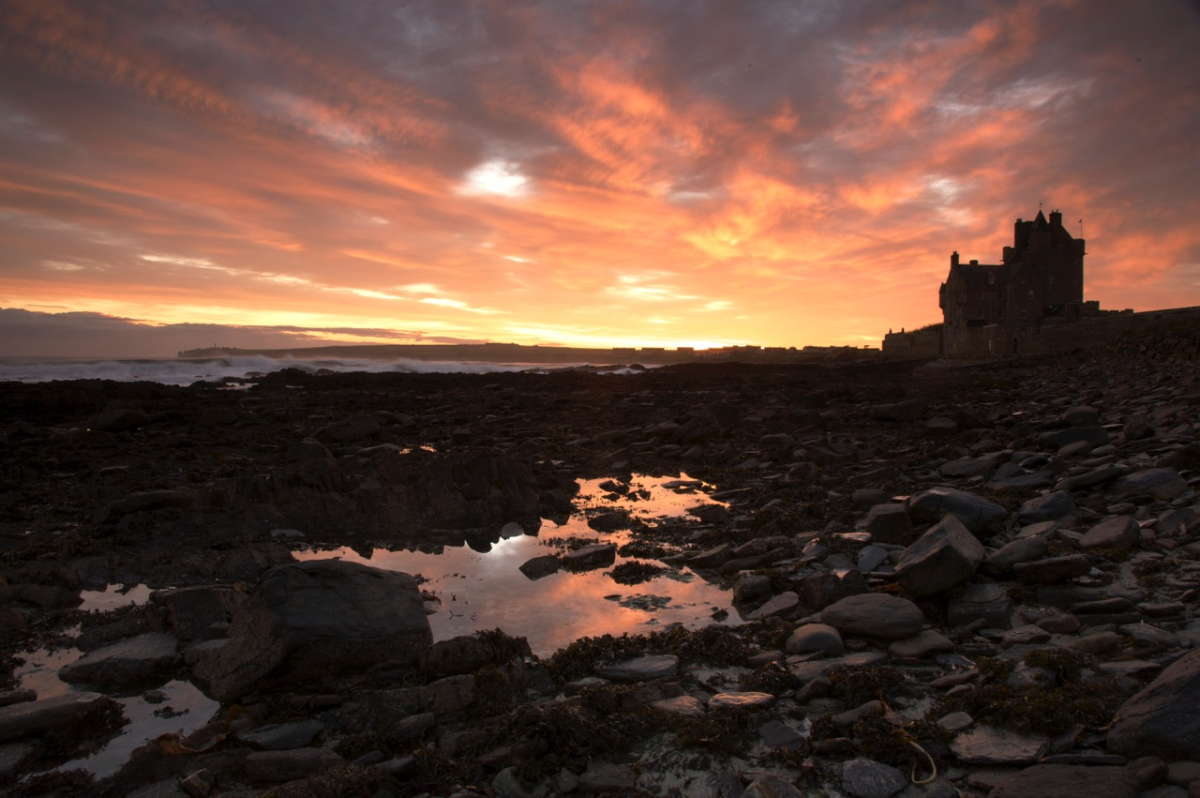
(179, 173)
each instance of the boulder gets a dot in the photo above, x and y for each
(539, 567)
(1121, 532)
(874, 615)
(944, 557)
(589, 558)
(1160, 483)
(319, 618)
(1047, 508)
(146, 658)
(191, 610)
(1161, 719)
(61, 711)
(815, 637)
(976, 513)
(888, 523)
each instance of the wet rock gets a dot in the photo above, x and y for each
(945, 556)
(299, 763)
(1050, 507)
(769, 785)
(146, 500)
(1160, 483)
(192, 610)
(815, 637)
(777, 605)
(908, 410)
(680, 705)
(1161, 720)
(35, 717)
(281, 736)
(713, 558)
(14, 756)
(1069, 781)
(750, 587)
(349, 430)
(888, 523)
(146, 658)
(866, 778)
(468, 653)
(603, 777)
(1115, 533)
(985, 745)
(1081, 416)
(1052, 570)
(118, 420)
(922, 645)
(742, 700)
(1002, 561)
(642, 669)
(49, 597)
(1096, 436)
(976, 513)
(589, 558)
(10, 697)
(321, 617)
(874, 615)
(778, 736)
(539, 567)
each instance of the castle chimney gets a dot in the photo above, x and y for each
(954, 260)
(1056, 218)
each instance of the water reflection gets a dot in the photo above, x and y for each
(114, 597)
(481, 587)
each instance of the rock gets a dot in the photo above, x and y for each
(192, 610)
(807, 670)
(985, 745)
(1069, 781)
(468, 653)
(968, 467)
(888, 523)
(118, 420)
(589, 558)
(944, 557)
(1052, 569)
(922, 645)
(1050, 507)
(680, 705)
(320, 617)
(49, 714)
(907, 410)
(713, 558)
(742, 700)
(1160, 483)
(1090, 479)
(642, 669)
(777, 605)
(1081, 416)
(539, 567)
(1161, 720)
(298, 763)
(146, 658)
(1096, 436)
(349, 430)
(603, 777)
(976, 513)
(769, 785)
(871, 557)
(750, 587)
(1002, 561)
(1121, 532)
(14, 756)
(281, 736)
(874, 615)
(980, 602)
(450, 695)
(10, 697)
(815, 637)
(955, 721)
(49, 597)
(143, 501)
(866, 498)
(866, 778)
(777, 735)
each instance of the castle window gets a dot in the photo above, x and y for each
(1031, 293)
(991, 279)
(1023, 314)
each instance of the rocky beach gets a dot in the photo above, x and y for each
(931, 578)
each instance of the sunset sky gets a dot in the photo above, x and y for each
(666, 173)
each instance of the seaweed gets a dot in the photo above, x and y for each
(717, 645)
(856, 686)
(634, 572)
(1088, 703)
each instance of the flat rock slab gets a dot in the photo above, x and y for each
(1069, 781)
(776, 605)
(1052, 569)
(976, 512)
(866, 778)
(138, 660)
(32, 717)
(748, 700)
(1161, 720)
(321, 617)
(769, 785)
(1161, 483)
(988, 746)
(588, 558)
(1121, 532)
(299, 763)
(686, 705)
(944, 557)
(540, 566)
(281, 736)
(874, 615)
(642, 669)
(14, 755)
(807, 671)
(926, 643)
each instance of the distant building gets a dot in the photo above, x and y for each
(992, 309)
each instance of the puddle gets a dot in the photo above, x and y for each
(114, 597)
(486, 590)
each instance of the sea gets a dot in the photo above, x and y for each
(234, 369)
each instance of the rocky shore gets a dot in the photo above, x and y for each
(954, 579)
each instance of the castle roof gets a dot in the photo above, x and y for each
(975, 275)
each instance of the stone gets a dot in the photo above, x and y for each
(146, 658)
(1081, 416)
(281, 736)
(298, 763)
(743, 700)
(14, 756)
(874, 615)
(602, 777)
(980, 602)
(1052, 569)
(1050, 507)
(955, 721)
(468, 653)
(49, 714)
(976, 513)
(807, 670)
(10, 697)
(888, 523)
(750, 587)
(589, 558)
(349, 430)
(777, 735)
(1001, 561)
(866, 498)
(319, 617)
(641, 669)
(1069, 781)
(784, 603)
(450, 695)
(871, 557)
(1161, 720)
(968, 467)
(1163, 484)
(866, 778)
(1121, 532)
(117, 420)
(539, 567)
(944, 557)
(985, 745)
(192, 610)
(144, 501)
(1056, 439)
(1183, 772)
(922, 645)
(815, 637)
(686, 705)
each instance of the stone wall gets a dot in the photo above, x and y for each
(923, 343)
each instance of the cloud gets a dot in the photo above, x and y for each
(804, 163)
